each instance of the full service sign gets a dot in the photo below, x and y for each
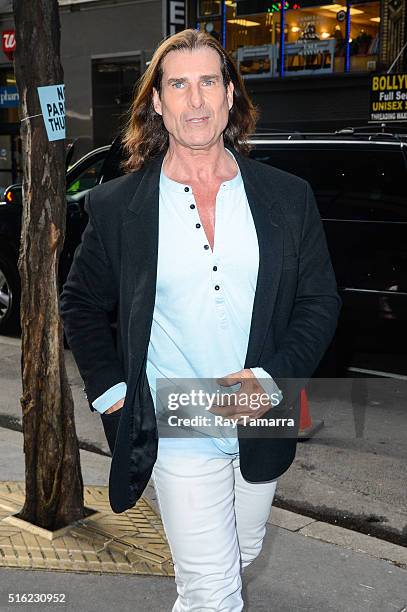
(52, 100)
(388, 98)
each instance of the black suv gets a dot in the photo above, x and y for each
(359, 178)
(360, 183)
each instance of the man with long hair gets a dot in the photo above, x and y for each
(219, 268)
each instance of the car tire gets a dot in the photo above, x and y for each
(10, 295)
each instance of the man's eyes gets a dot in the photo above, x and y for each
(181, 83)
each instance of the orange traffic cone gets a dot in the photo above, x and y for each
(308, 427)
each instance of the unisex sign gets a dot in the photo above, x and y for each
(388, 98)
(52, 100)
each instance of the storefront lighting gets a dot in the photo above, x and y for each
(335, 8)
(245, 23)
(295, 29)
(325, 35)
(377, 19)
(276, 7)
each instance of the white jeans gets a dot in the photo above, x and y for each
(215, 522)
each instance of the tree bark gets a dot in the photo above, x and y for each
(53, 478)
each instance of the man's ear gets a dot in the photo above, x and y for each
(229, 94)
(157, 102)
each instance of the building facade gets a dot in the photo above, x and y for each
(306, 65)
(104, 49)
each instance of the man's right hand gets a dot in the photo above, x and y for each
(115, 406)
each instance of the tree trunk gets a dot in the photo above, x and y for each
(54, 486)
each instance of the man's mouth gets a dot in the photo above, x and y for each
(197, 119)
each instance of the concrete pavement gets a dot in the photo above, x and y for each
(305, 565)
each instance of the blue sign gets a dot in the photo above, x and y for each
(52, 100)
(9, 96)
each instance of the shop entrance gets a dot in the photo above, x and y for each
(11, 170)
(113, 81)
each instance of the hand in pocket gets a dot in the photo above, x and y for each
(110, 422)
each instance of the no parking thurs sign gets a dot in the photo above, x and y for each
(52, 100)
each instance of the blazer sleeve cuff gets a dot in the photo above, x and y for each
(268, 383)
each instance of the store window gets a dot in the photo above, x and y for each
(318, 38)
(364, 36)
(209, 15)
(315, 39)
(252, 37)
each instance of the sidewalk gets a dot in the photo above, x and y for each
(305, 565)
(352, 473)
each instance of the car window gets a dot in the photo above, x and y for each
(86, 177)
(348, 184)
(112, 165)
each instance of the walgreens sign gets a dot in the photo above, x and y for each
(8, 39)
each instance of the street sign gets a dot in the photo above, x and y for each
(8, 40)
(9, 96)
(388, 98)
(175, 16)
(52, 100)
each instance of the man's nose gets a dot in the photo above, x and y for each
(196, 97)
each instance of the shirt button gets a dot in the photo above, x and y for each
(215, 268)
(198, 225)
(192, 206)
(206, 247)
(217, 287)
(186, 188)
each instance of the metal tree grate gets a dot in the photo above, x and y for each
(133, 542)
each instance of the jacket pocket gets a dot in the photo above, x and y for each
(110, 424)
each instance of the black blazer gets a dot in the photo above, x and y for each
(295, 309)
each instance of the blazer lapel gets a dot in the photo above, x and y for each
(268, 223)
(141, 251)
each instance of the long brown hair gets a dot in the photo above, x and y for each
(144, 134)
